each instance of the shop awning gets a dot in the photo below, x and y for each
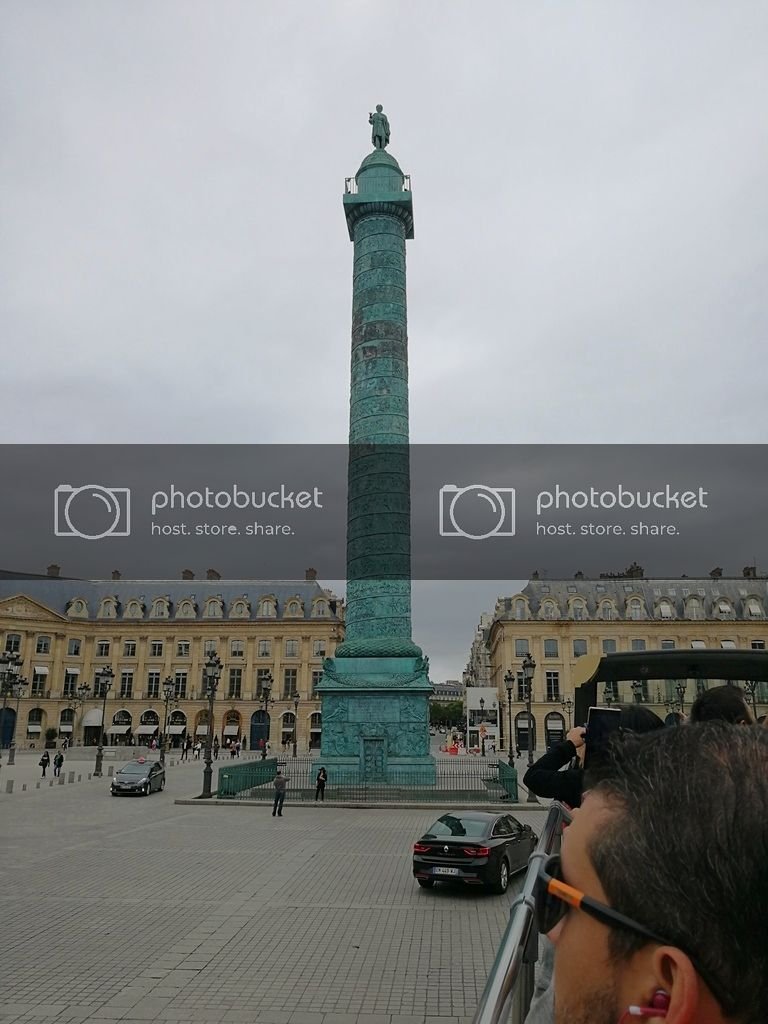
(92, 717)
(202, 730)
(118, 730)
(65, 727)
(176, 730)
(41, 670)
(231, 730)
(146, 730)
(34, 727)
(71, 670)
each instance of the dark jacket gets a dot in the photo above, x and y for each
(545, 778)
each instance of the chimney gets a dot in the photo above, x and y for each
(53, 570)
(187, 574)
(535, 574)
(750, 572)
(211, 574)
(116, 574)
(310, 575)
(715, 574)
(578, 575)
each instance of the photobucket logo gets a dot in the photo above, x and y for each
(622, 497)
(235, 497)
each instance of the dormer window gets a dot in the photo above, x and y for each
(267, 608)
(725, 609)
(186, 609)
(579, 610)
(239, 610)
(520, 609)
(693, 608)
(159, 609)
(607, 611)
(549, 610)
(635, 608)
(753, 608)
(134, 610)
(293, 608)
(665, 610)
(320, 609)
(214, 608)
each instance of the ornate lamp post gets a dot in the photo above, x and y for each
(637, 691)
(81, 695)
(482, 720)
(169, 697)
(680, 689)
(296, 699)
(18, 692)
(211, 676)
(10, 667)
(101, 688)
(567, 705)
(751, 685)
(266, 690)
(509, 682)
(529, 667)
(608, 695)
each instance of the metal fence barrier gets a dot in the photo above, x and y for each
(508, 990)
(475, 781)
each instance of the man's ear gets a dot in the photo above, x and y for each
(677, 977)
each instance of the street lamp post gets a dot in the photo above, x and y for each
(296, 699)
(266, 690)
(680, 688)
(637, 691)
(169, 696)
(529, 667)
(18, 692)
(567, 705)
(104, 685)
(82, 693)
(509, 682)
(751, 685)
(211, 676)
(482, 723)
(10, 667)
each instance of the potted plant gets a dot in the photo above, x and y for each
(51, 735)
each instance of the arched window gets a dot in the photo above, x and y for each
(12, 643)
(267, 608)
(549, 610)
(520, 608)
(607, 611)
(214, 608)
(694, 609)
(635, 608)
(754, 608)
(293, 608)
(134, 610)
(159, 608)
(724, 609)
(186, 609)
(240, 610)
(107, 608)
(666, 611)
(320, 609)
(78, 607)
(579, 610)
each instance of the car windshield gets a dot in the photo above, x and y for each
(134, 769)
(456, 825)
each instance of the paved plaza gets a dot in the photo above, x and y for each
(142, 909)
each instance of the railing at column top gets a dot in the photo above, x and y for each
(512, 975)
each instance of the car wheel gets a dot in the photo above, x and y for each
(162, 785)
(502, 882)
(146, 790)
(426, 883)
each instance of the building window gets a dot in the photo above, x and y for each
(520, 609)
(725, 610)
(293, 608)
(758, 645)
(264, 649)
(291, 648)
(635, 608)
(754, 609)
(262, 676)
(266, 609)
(579, 648)
(43, 645)
(551, 649)
(579, 611)
(209, 647)
(102, 648)
(182, 649)
(290, 682)
(135, 610)
(611, 691)
(693, 609)
(235, 683)
(317, 675)
(698, 645)
(13, 643)
(665, 610)
(214, 608)
(640, 691)
(521, 648)
(553, 686)
(609, 646)
(159, 608)
(318, 648)
(607, 611)
(73, 647)
(521, 694)
(99, 687)
(126, 685)
(237, 648)
(180, 685)
(129, 649)
(638, 645)
(549, 610)
(153, 685)
(667, 645)
(320, 610)
(727, 645)
(156, 649)
(39, 681)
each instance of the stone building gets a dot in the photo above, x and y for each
(559, 621)
(147, 632)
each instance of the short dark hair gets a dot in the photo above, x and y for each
(721, 704)
(686, 854)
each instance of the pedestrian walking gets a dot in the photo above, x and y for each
(198, 748)
(65, 744)
(322, 778)
(517, 752)
(44, 761)
(237, 749)
(215, 748)
(58, 761)
(280, 783)
(232, 751)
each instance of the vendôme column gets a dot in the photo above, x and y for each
(376, 688)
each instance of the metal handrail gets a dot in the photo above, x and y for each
(511, 978)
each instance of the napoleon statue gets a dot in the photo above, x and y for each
(380, 130)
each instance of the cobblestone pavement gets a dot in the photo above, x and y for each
(142, 910)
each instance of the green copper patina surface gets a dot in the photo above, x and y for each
(375, 689)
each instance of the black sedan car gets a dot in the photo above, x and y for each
(475, 847)
(139, 777)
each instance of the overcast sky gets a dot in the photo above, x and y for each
(589, 261)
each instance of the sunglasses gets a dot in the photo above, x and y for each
(553, 896)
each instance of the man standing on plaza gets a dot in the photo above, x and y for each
(280, 783)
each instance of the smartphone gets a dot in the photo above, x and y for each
(602, 723)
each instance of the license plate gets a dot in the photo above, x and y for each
(445, 871)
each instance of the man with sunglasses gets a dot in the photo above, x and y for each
(658, 903)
